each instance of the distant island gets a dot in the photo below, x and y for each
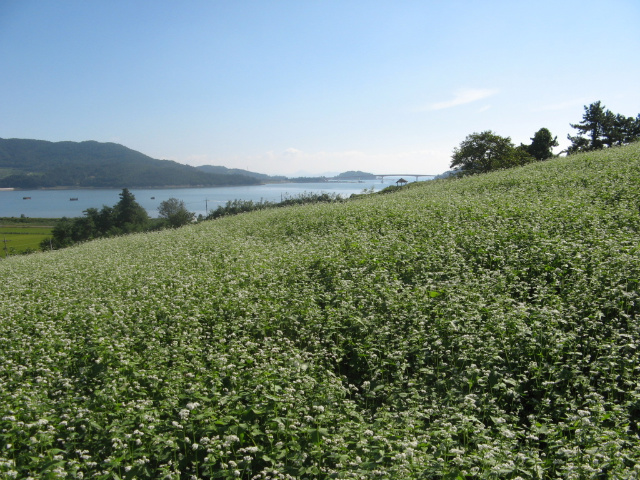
(218, 170)
(355, 175)
(32, 164)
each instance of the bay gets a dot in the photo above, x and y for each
(58, 203)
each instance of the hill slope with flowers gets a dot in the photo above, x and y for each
(486, 327)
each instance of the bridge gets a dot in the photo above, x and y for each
(416, 175)
(380, 176)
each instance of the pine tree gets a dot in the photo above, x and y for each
(593, 125)
(130, 215)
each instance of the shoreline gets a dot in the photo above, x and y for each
(164, 187)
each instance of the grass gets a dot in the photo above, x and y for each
(484, 327)
(23, 234)
(20, 239)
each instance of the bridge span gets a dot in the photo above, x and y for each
(416, 175)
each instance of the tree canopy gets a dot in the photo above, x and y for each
(601, 128)
(126, 216)
(175, 212)
(542, 144)
(487, 151)
(130, 215)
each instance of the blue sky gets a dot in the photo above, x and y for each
(311, 87)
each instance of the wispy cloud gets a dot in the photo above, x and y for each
(464, 96)
(292, 152)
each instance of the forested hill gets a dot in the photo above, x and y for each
(41, 164)
(239, 171)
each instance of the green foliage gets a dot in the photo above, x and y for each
(486, 151)
(175, 212)
(127, 216)
(234, 207)
(21, 239)
(24, 220)
(486, 327)
(542, 144)
(603, 128)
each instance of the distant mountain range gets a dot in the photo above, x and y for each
(238, 171)
(42, 164)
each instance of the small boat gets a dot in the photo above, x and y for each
(153, 198)
(26, 198)
(73, 199)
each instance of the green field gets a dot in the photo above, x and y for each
(485, 327)
(18, 239)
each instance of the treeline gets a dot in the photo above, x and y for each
(235, 207)
(127, 216)
(307, 180)
(486, 151)
(603, 128)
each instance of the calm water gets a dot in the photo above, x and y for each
(57, 203)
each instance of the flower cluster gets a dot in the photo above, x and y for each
(485, 327)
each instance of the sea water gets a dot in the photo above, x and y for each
(72, 203)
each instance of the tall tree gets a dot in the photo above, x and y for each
(623, 130)
(486, 151)
(175, 212)
(542, 144)
(603, 128)
(130, 215)
(62, 234)
(593, 125)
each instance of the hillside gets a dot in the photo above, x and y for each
(356, 175)
(484, 327)
(239, 171)
(41, 164)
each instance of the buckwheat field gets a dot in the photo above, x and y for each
(485, 327)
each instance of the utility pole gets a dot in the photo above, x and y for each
(206, 206)
(6, 252)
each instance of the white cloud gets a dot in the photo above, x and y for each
(464, 96)
(292, 152)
